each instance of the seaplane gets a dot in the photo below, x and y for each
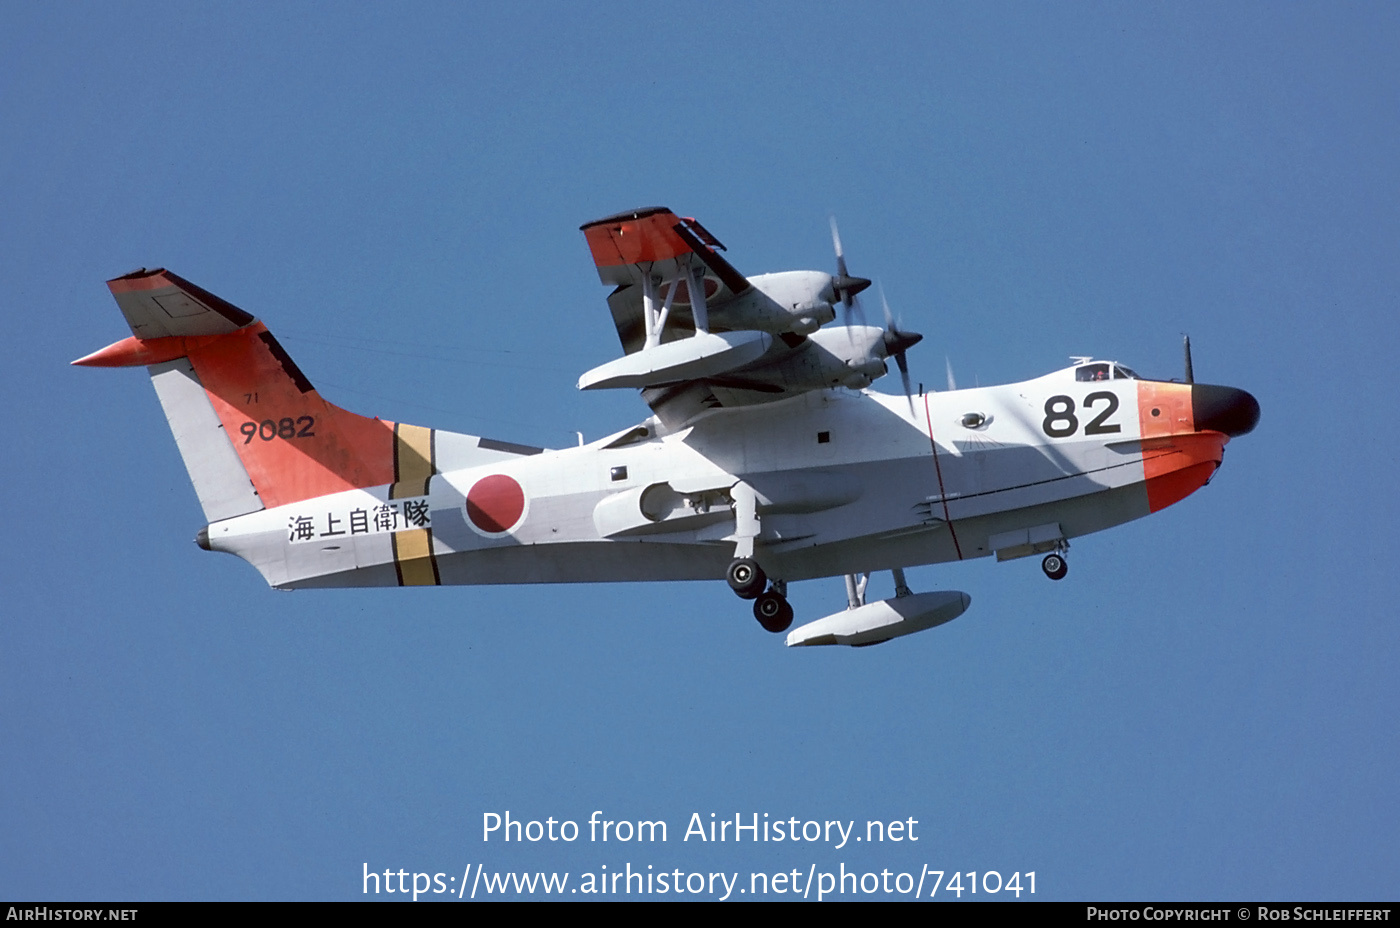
(767, 458)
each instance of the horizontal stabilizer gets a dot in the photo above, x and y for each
(159, 304)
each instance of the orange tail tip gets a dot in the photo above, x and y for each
(137, 352)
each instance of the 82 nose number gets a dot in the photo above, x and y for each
(1060, 420)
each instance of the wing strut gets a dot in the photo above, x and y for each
(655, 321)
(698, 309)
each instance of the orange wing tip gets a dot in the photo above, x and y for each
(136, 352)
(634, 237)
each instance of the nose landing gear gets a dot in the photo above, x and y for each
(1054, 566)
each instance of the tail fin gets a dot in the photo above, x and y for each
(252, 430)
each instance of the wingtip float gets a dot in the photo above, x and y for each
(767, 458)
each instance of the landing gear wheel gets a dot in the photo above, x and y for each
(745, 577)
(1054, 566)
(773, 612)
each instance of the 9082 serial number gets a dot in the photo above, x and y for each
(268, 429)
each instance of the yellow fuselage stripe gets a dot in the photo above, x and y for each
(413, 461)
(414, 465)
(413, 557)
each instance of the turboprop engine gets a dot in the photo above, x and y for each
(788, 301)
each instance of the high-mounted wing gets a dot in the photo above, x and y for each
(652, 254)
(697, 334)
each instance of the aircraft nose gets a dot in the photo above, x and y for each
(1224, 409)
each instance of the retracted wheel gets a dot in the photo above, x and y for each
(746, 578)
(773, 612)
(1054, 566)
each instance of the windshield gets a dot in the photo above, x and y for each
(1091, 372)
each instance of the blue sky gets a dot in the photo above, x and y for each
(1205, 708)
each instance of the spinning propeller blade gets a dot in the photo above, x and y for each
(897, 342)
(845, 286)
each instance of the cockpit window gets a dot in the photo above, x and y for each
(1124, 373)
(1091, 372)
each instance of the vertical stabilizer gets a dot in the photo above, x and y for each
(252, 430)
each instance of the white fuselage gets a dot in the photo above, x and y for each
(846, 482)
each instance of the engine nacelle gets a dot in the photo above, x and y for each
(846, 356)
(789, 301)
(835, 357)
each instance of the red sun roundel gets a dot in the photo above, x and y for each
(495, 503)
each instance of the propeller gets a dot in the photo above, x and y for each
(897, 342)
(1190, 374)
(843, 284)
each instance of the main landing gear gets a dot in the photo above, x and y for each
(770, 607)
(1054, 566)
(773, 611)
(746, 578)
